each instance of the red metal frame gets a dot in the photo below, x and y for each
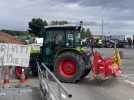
(104, 67)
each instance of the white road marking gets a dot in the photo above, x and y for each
(2, 94)
(126, 79)
(129, 82)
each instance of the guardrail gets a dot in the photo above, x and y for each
(51, 87)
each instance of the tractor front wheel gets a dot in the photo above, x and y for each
(69, 67)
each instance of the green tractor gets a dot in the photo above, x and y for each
(63, 53)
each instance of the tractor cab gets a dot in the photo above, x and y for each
(63, 36)
(58, 38)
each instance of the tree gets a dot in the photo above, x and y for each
(82, 33)
(36, 25)
(88, 33)
(85, 33)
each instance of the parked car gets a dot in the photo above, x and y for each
(109, 43)
(119, 43)
(122, 43)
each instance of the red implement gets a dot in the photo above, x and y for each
(104, 67)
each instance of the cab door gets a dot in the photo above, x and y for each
(48, 47)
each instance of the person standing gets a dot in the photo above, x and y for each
(1, 76)
(129, 42)
(133, 41)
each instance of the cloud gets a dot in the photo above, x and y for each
(104, 3)
(118, 15)
(113, 9)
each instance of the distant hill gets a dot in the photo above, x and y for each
(23, 35)
(7, 38)
(13, 32)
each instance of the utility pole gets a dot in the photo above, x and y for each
(102, 27)
(81, 23)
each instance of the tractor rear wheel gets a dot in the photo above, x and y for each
(69, 67)
(87, 70)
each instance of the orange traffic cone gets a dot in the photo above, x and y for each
(23, 81)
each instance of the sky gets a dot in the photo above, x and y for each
(118, 15)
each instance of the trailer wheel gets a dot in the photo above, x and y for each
(69, 67)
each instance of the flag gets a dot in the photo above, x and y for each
(117, 58)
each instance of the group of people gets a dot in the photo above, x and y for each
(91, 42)
(130, 42)
(99, 42)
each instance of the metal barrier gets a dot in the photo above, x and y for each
(51, 87)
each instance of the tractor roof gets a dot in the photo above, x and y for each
(63, 27)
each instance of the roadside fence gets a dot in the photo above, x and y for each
(51, 88)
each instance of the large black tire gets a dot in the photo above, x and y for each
(87, 70)
(79, 64)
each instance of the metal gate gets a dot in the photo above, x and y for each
(51, 88)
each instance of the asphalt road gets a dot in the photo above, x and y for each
(106, 90)
(88, 89)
